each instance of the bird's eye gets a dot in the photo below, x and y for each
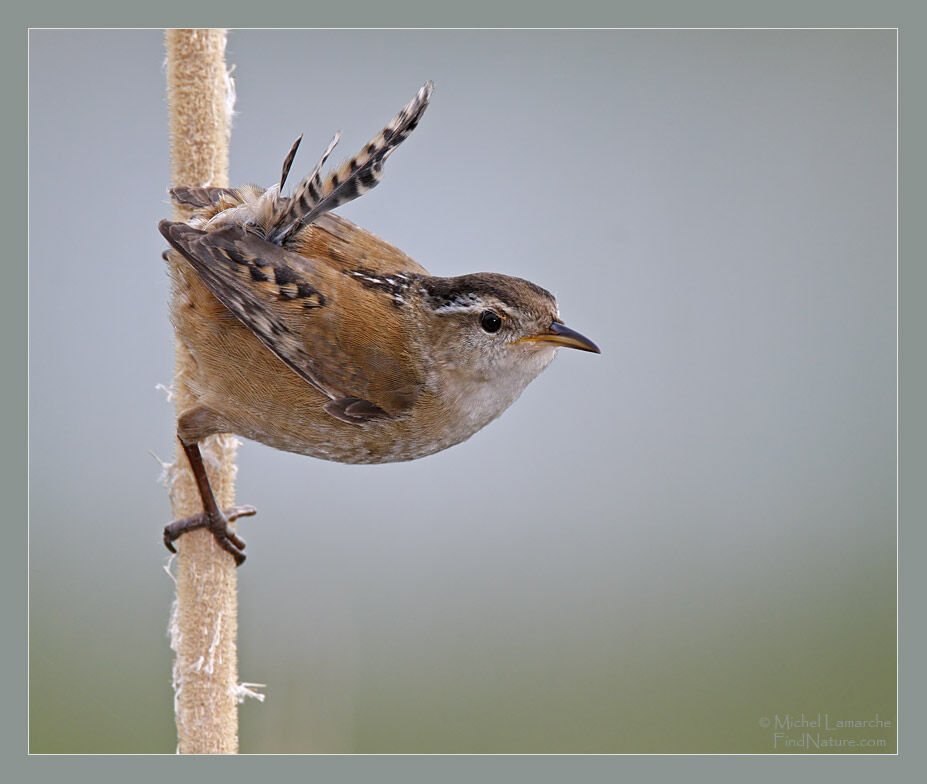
(489, 321)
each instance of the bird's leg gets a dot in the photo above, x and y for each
(210, 518)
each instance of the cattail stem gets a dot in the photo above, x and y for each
(204, 625)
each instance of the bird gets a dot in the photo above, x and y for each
(312, 335)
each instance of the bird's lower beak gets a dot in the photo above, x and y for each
(561, 335)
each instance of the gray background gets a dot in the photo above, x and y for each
(651, 551)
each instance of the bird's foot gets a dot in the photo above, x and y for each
(218, 524)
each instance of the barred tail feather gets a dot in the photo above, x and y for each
(288, 161)
(314, 197)
(306, 196)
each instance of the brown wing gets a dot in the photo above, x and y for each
(313, 316)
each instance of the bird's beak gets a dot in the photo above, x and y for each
(561, 335)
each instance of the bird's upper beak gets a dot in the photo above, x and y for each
(561, 335)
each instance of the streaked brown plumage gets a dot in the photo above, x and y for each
(311, 335)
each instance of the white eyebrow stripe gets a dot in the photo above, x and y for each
(466, 303)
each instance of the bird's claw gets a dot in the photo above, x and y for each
(227, 539)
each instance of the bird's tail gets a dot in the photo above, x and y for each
(315, 195)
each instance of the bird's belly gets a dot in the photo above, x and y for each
(317, 434)
(291, 418)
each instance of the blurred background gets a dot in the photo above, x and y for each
(671, 547)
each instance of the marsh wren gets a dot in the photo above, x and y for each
(311, 335)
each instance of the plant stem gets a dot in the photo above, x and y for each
(204, 624)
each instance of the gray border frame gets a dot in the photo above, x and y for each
(905, 15)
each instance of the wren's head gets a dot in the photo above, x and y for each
(495, 330)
